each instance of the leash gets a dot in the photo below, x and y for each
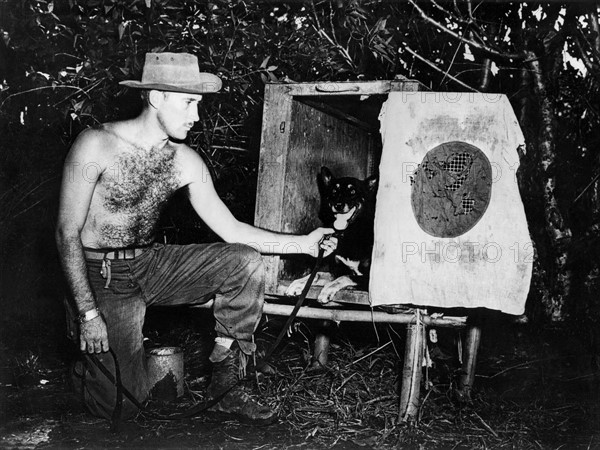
(294, 313)
(122, 391)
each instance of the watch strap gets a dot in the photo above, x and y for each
(88, 315)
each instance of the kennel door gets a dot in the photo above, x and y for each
(450, 227)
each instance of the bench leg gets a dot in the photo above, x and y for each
(410, 391)
(466, 380)
(321, 353)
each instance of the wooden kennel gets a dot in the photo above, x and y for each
(335, 124)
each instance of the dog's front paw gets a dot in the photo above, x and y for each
(329, 290)
(296, 287)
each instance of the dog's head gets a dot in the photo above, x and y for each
(343, 199)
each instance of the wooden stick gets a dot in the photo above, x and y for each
(369, 354)
(431, 64)
(487, 427)
(467, 379)
(347, 315)
(410, 392)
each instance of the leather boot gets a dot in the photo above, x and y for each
(228, 368)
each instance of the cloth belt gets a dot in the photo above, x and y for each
(122, 253)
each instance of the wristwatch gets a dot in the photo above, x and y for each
(88, 315)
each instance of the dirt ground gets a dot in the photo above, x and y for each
(535, 388)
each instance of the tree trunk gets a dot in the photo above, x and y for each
(558, 231)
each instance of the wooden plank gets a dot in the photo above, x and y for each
(318, 139)
(277, 112)
(351, 87)
(349, 295)
(342, 115)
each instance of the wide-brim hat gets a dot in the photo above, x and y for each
(175, 72)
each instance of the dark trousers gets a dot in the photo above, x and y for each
(232, 274)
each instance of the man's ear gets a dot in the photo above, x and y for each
(155, 98)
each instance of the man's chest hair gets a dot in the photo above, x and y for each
(140, 179)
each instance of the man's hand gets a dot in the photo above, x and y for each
(93, 337)
(321, 238)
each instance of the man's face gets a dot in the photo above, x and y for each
(177, 113)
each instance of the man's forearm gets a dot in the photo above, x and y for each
(74, 266)
(271, 242)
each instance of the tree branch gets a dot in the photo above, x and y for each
(589, 64)
(593, 19)
(332, 40)
(41, 88)
(484, 48)
(447, 73)
(486, 70)
(445, 11)
(431, 64)
(470, 24)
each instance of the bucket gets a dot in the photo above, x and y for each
(165, 373)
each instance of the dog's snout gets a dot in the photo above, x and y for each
(340, 207)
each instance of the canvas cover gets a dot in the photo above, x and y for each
(450, 228)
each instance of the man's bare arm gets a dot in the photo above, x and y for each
(75, 198)
(217, 216)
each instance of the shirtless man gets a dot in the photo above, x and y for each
(116, 179)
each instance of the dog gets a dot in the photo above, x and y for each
(348, 206)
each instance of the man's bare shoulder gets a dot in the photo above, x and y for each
(123, 129)
(191, 165)
(94, 144)
(105, 132)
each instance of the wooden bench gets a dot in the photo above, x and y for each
(417, 320)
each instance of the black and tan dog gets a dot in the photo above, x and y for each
(347, 205)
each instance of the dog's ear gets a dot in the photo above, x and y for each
(372, 182)
(325, 176)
